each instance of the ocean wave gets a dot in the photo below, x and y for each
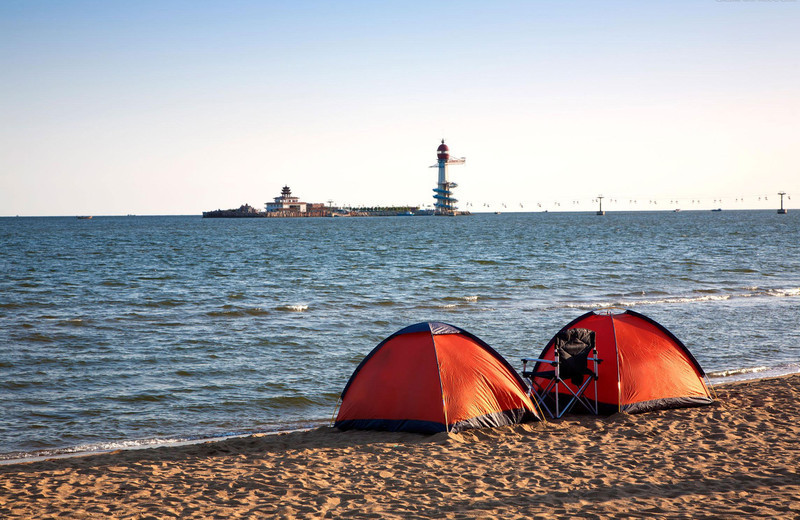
(140, 398)
(100, 447)
(472, 298)
(164, 303)
(112, 283)
(795, 291)
(736, 372)
(155, 442)
(292, 308)
(749, 373)
(702, 296)
(73, 322)
(638, 303)
(290, 402)
(238, 313)
(484, 262)
(37, 337)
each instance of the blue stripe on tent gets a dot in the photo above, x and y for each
(646, 406)
(666, 403)
(391, 425)
(491, 420)
(494, 419)
(434, 327)
(417, 327)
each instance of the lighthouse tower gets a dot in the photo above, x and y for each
(443, 194)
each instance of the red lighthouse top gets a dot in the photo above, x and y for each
(443, 152)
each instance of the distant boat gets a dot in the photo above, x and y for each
(84, 217)
(676, 210)
(405, 214)
(718, 209)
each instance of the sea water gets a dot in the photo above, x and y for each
(133, 331)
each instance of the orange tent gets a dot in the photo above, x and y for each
(433, 377)
(645, 367)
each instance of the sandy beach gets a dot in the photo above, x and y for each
(739, 457)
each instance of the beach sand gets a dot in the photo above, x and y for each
(739, 457)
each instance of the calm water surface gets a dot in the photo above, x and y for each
(124, 331)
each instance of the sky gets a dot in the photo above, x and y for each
(176, 107)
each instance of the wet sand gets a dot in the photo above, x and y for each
(739, 457)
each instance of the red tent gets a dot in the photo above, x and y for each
(645, 367)
(433, 377)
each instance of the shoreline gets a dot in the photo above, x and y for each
(735, 458)
(85, 450)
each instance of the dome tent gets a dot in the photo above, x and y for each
(644, 366)
(433, 377)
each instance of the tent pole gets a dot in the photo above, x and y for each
(336, 409)
(709, 385)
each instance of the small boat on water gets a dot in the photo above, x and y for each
(84, 217)
(718, 209)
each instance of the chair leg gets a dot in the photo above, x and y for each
(540, 396)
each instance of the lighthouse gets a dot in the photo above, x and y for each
(443, 193)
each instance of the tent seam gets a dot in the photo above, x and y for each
(441, 386)
(616, 355)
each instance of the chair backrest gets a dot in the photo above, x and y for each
(574, 347)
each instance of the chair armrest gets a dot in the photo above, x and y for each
(538, 360)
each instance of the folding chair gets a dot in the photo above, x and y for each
(573, 349)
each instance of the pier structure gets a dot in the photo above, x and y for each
(286, 202)
(444, 203)
(782, 211)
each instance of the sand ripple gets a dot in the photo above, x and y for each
(737, 458)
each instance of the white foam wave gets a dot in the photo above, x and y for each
(471, 298)
(86, 449)
(293, 308)
(736, 372)
(746, 374)
(795, 291)
(139, 444)
(637, 303)
(748, 292)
